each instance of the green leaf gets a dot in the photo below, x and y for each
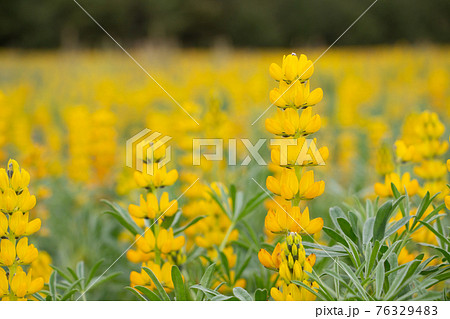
(396, 226)
(208, 292)
(242, 294)
(62, 273)
(379, 282)
(368, 230)
(224, 263)
(335, 213)
(162, 293)
(206, 279)
(178, 283)
(191, 223)
(383, 214)
(261, 294)
(150, 295)
(68, 294)
(373, 257)
(439, 235)
(122, 217)
(334, 235)
(93, 271)
(251, 205)
(136, 293)
(52, 286)
(347, 229)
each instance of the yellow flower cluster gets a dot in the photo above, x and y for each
(290, 261)
(292, 184)
(420, 147)
(15, 225)
(214, 231)
(92, 144)
(157, 247)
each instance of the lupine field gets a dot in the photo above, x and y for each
(369, 223)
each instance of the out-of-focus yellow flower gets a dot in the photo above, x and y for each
(431, 170)
(384, 163)
(404, 152)
(405, 183)
(405, 256)
(151, 209)
(41, 266)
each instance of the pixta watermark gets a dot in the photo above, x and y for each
(149, 149)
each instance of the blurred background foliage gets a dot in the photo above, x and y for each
(204, 23)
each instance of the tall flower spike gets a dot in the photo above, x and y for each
(15, 251)
(291, 184)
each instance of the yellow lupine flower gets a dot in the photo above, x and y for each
(292, 156)
(290, 219)
(11, 202)
(292, 68)
(3, 225)
(159, 178)
(151, 209)
(164, 275)
(287, 123)
(7, 253)
(405, 183)
(296, 95)
(20, 226)
(19, 177)
(26, 253)
(292, 292)
(286, 186)
(271, 261)
(22, 284)
(3, 283)
(165, 241)
(308, 189)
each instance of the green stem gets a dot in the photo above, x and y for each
(227, 234)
